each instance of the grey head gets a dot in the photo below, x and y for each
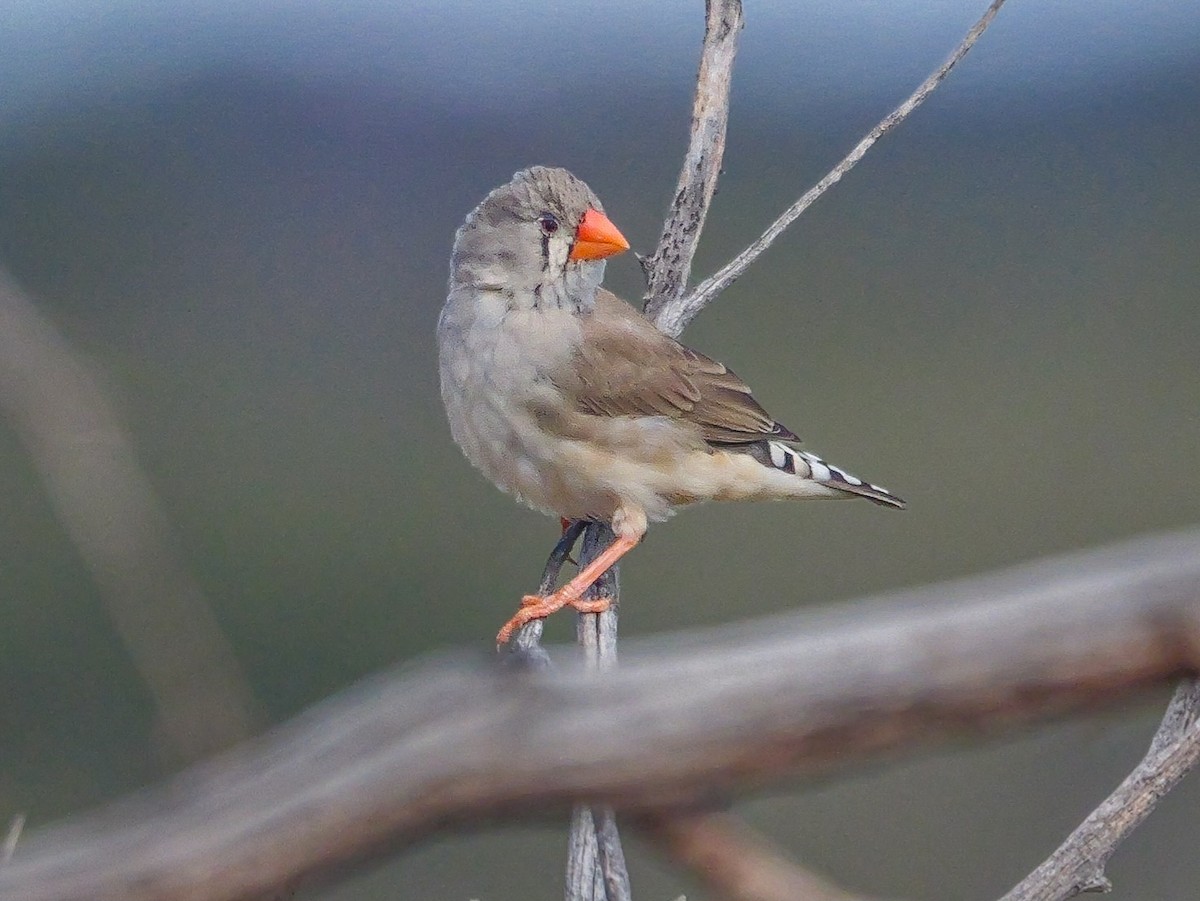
(520, 241)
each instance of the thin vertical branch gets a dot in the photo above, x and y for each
(667, 269)
(612, 854)
(597, 632)
(594, 836)
(585, 876)
(596, 861)
(596, 868)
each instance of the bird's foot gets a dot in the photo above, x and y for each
(536, 606)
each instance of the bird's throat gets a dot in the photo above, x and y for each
(575, 290)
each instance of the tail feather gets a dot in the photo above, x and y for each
(810, 466)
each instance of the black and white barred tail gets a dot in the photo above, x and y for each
(810, 466)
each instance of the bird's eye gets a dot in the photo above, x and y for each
(548, 223)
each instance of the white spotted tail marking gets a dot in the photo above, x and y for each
(810, 466)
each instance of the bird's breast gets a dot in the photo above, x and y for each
(496, 364)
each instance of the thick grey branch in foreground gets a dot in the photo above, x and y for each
(403, 756)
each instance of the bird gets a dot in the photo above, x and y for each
(568, 398)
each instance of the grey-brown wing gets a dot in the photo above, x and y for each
(626, 367)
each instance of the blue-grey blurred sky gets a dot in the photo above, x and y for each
(483, 55)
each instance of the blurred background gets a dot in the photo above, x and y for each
(242, 214)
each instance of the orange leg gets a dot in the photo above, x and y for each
(535, 606)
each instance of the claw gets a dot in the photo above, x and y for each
(535, 606)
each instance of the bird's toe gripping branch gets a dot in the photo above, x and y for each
(535, 606)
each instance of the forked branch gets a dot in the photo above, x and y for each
(674, 313)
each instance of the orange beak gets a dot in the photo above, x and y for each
(597, 238)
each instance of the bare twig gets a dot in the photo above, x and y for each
(527, 650)
(612, 854)
(1078, 864)
(737, 863)
(805, 694)
(595, 860)
(677, 313)
(108, 507)
(668, 268)
(585, 875)
(596, 868)
(597, 633)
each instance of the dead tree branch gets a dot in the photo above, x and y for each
(668, 268)
(403, 756)
(596, 868)
(1078, 864)
(677, 312)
